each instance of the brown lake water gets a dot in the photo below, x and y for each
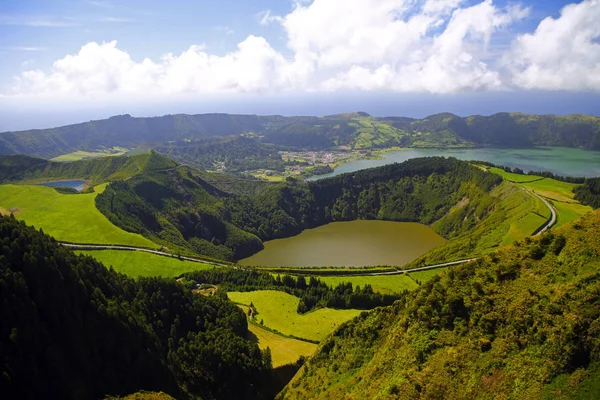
(354, 243)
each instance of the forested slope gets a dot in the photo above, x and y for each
(73, 329)
(520, 323)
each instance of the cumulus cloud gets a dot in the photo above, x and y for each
(562, 53)
(437, 46)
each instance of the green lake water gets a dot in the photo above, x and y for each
(558, 160)
(354, 243)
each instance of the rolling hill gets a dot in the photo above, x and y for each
(353, 130)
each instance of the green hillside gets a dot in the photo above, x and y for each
(190, 211)
(99, 170)
(73, 329)
(520, 323)
(185, 136)
(67, 217)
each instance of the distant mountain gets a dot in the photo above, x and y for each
(354, 130)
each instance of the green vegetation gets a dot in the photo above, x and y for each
(137, 263)
(384, 284)
(82, 155)
(518, 323)
(234, 154)
(67, 217)
(205, 134)
(424, 276)
(589, 192)
(561, 194)
(277, 311)
(176, 206)
(96, 170)
(71, 328)
(313, 292)
(284, 350)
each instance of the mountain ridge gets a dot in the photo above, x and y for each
(356, 130)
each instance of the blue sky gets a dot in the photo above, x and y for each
(70, 60)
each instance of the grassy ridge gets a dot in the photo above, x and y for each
(283, 350)
(137, 263)
(521, 323)
(277, 310)
(560, 194)
(67, 217)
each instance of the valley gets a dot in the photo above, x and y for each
(304, 260)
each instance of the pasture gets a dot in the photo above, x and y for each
(67, 217)
(138, 263)
(283, 350)
(277, 311)
(384, 284)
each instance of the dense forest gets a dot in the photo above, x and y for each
(234, 154)
(589, 192)
(73, 329)
(520, 323)
(354, 130)
(178, 206)
(313, 293)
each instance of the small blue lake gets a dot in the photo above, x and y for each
(76, 184)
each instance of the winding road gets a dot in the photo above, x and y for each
(130, 248)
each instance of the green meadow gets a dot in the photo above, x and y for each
(82, 155)
(424, 276)
(283, 350)
(385, 284)
(277, 311)
(138, 263)
(559, 193)
(67, 217)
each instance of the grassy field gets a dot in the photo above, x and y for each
(559, 193)
(552, 189)
(424, 276)
(283, 350)
(67, 217)
(529, 222)
(385, 284)
(137, 263)
(81, 155)
(517, 178)
(277, 310)
(568, 212)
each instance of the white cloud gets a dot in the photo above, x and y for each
(437, 46)
(100, 69)
(385, 50)
(563, 53)
(265, 17)
(27, 48)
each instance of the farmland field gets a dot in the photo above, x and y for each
(67, 217)
(283, 350)
(137, 263)
(568, 212)
(385, 284)
(277, 310)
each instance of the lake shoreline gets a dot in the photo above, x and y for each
(575, 162)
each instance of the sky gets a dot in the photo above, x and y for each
(66, 61)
